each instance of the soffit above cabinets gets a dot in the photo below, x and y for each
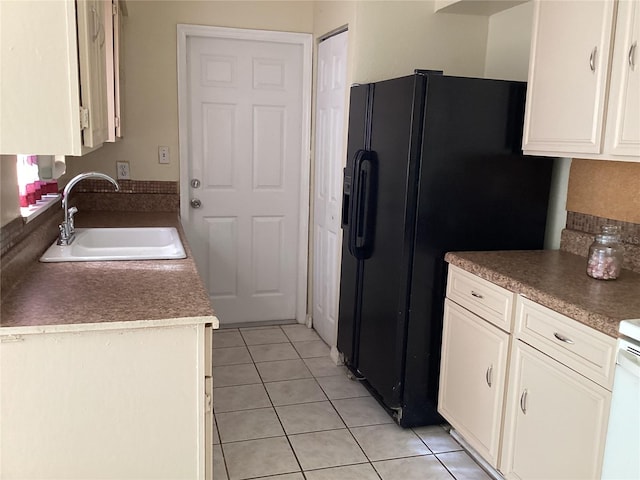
(475, 7)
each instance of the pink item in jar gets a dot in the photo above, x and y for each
(605, 254)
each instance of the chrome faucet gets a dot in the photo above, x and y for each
(67, 230)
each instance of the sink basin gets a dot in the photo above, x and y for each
(98, 244)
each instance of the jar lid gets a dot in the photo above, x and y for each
(610, 234)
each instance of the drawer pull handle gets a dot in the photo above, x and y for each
(477, 295)
(592, 59)
(562, 338)
(632, 52)
(489, 375)
(523, 401)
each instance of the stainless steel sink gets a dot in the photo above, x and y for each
(99, 244)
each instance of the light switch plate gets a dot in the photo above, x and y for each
(123, 171)
(163, 154)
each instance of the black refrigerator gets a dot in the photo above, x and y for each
(434, 165)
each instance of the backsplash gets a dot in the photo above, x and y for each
(581, 229)
(134, 195)
(127, 186)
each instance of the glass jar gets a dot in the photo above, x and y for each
(605, 254)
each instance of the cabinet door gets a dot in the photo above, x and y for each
(623, 117)
(92, 52)
(472, 376)
(556, 420)
(39, 90)
(113, 26)
(568, 76)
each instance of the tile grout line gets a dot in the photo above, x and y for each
(283, 429)
(328, 399)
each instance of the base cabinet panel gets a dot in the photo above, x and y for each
(472, 378)
(556, 420)
(108, 404)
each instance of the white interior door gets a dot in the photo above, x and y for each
(327, 201)
(246, 148)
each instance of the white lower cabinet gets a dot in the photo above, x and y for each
(555, 421)
(111, 403)
(474, 363)
(533, 403)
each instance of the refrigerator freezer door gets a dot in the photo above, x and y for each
(382, 333)
(351, 268)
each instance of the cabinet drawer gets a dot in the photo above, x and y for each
(485, 299)
(581, 348)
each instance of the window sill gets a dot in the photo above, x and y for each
(31, 212)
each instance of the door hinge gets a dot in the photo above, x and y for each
(117, 122)
(84, 118)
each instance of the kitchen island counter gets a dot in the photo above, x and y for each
(558, 280)
(83, 295)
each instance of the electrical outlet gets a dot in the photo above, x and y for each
(163, 154)
(123, 171)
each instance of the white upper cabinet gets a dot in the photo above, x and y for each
(575, 46)
(92, 51)
(54, 80)
(623, 116)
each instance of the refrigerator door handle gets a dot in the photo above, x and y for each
(365, 191)
(361, 207)
(346, 198)
(355, 202)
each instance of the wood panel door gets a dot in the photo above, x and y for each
(327, 199)
(246, 174)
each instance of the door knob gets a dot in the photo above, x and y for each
(195, 203)
(195, 183)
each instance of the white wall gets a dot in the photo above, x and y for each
(508, 43)
(395, 37)
(508, 46)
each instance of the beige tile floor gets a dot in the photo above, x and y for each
(284, 411)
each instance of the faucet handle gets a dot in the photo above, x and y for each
(72, 212)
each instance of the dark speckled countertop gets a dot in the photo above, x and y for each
(93, 292)
(558, 280)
